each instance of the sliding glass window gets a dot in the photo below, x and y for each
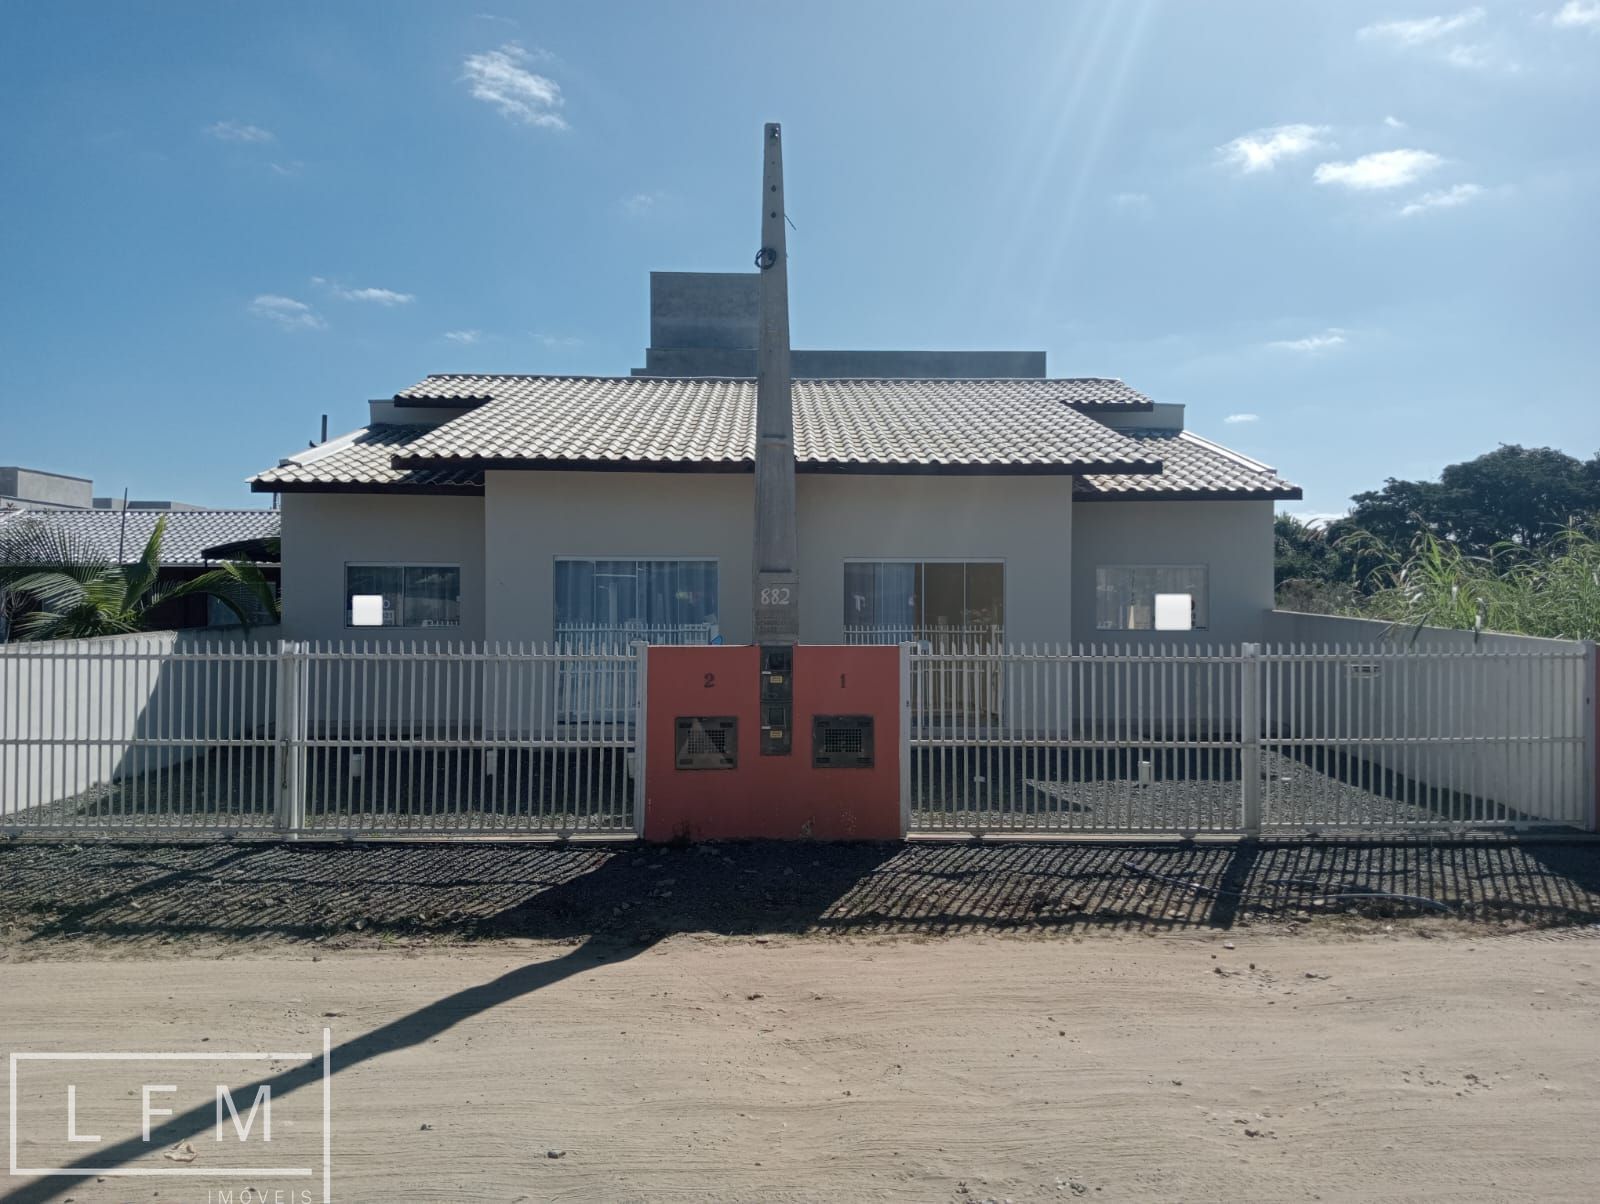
(907, 598)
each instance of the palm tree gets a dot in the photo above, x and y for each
(58, 587)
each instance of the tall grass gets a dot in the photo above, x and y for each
(1553, 591)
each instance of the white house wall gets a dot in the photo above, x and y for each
(322, 532)
(1232, 539)
(534, 518)
(1023, 521)
(507, 543)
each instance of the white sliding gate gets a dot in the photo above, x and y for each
(1246, 739)
(168, 735)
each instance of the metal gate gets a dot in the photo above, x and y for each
(168, 735)
(1246, 739)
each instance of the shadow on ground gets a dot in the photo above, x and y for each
(614, 903)
(157, 894)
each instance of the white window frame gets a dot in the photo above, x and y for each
(649, 558)
(1202, 596)
(402, 565)
(1005, 573)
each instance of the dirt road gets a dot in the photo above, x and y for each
(1111, 1068)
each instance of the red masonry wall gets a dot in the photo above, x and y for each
(780, 798)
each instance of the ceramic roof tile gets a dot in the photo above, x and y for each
(188, 532)
(1191, 467)
(970, 424)
(1089, 392)
(364, 459)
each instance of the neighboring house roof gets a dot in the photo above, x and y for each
(364, 461)
(188, 536)
(840, 425)
(1192, 469)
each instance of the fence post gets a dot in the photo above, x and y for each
(1250, 736)
(291, 739)
(641, 727)
(905, 739)
(283, 806)
(1591, 732)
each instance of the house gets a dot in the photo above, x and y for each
(194, 541)
(523, 508)
(35, 489)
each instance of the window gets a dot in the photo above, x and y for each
(910, 596)
(647, 596)
(402, 595)
(1125, 595)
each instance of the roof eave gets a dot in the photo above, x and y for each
(1277, 493)
(400, 487)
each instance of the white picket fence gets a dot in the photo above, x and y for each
(170, 735)
(1248, 739)
(987, 637)
(614, 637)
(178, 733)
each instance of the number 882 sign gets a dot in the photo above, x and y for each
(776, 608)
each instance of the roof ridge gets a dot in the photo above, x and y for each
(927, 380)
(1227, 451)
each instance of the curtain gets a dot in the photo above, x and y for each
(433, 597)
(882, 597)
(635, 594)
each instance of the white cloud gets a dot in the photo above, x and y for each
(464, 337)
(641, 203)
(386, 297)
(378, 296)
(556, 342)
(1261, 149)
(1394, 123)
(1578, 14)
(1448, 198)
(1383, 169)
(1436, 36)
(1236, 419)
(1131, 202)
(238, 131)
(1422, 30)
(286, 312)
(498, 77)
(1473, 55)
(292, 168)
(1311, 344)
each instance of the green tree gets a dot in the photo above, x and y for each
(1314, 568)
(56, 587)
(1519, 494)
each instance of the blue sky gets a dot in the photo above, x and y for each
(1356, 240)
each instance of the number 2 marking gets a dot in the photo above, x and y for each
(711, 680)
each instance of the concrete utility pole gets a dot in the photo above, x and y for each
(777, 608)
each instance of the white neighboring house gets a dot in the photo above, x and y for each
(520, 508)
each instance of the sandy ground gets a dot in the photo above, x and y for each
(1124, 1066)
